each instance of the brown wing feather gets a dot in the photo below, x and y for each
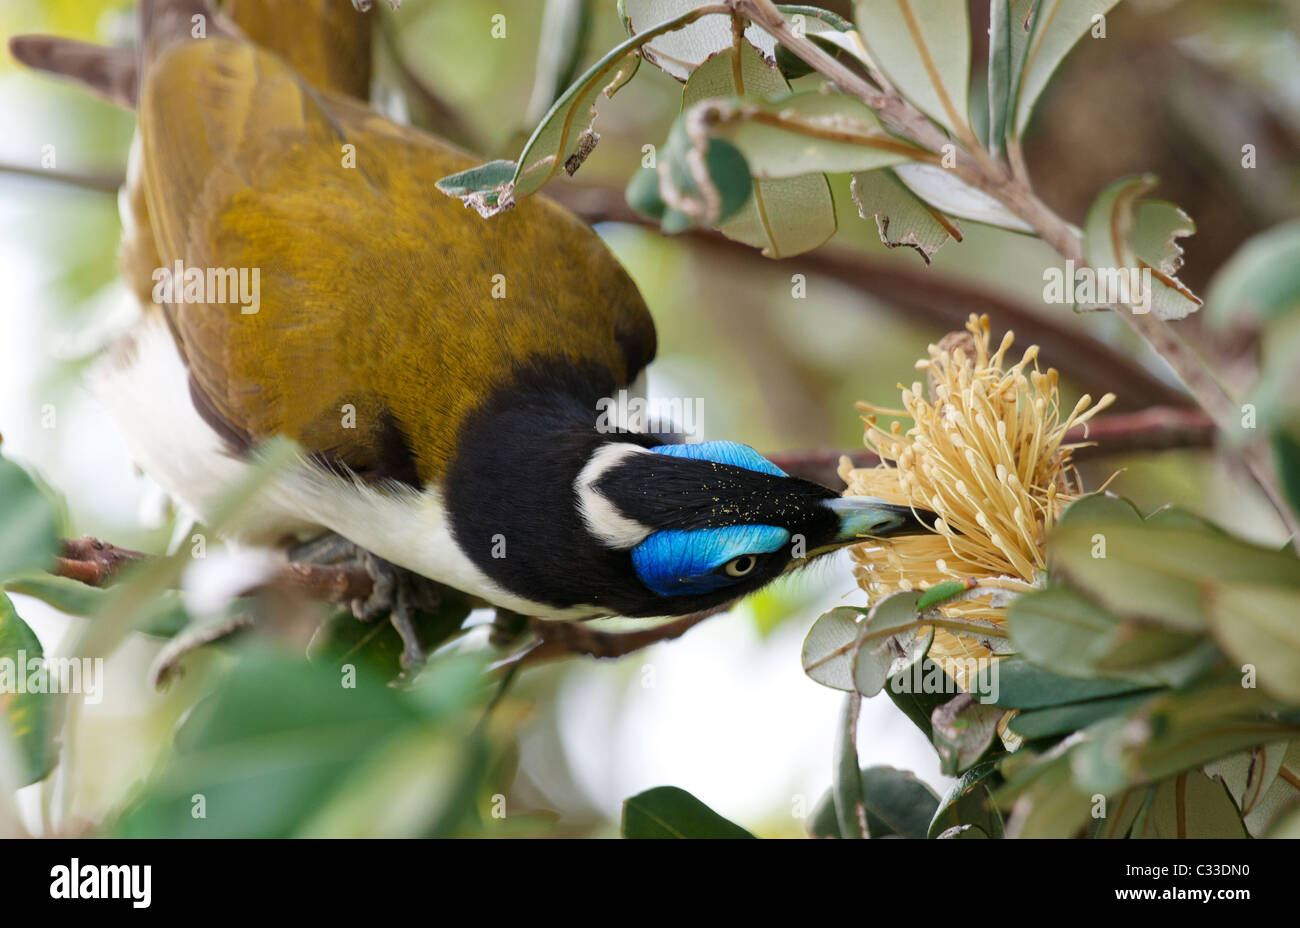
(376, 290)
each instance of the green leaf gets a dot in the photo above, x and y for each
(877, 660)
(798, 134)
(902, 218)
(962, 730)
(792, 66)
(1062, 720)
(1121, 234)
(342, 638)
(1003, 71)
(1191, 805)
(822, 27)
(1121, 813)
(565, 27)
(1286, 451)
(680, 52)
(1287, 824)
(1174, 731)
(408, 787)
(1159, 571)
(970, 802)
(824, 821)
(897, 803)
(1150, 652)
(565, 135)
(132, 601)
(716, 193)
(923, 46)
(948, 194)
(1261, 281)
(643, 194)
(919, 702)
(784, 216)
(1024, 685)
(829, 646)
(28, 716)
(670, 812)
(29, 532)
(1157, 227)
(63, 593)
(484, 177)
(847, 783)
(1260, 625)
(1252, 777)
(1274, 395)
(1061, 629)
(282, 744)
(1044, 801)
(163, 616)
(1055, 29)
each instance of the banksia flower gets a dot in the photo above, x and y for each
(987, 453)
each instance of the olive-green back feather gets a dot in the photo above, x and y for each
(376, 289)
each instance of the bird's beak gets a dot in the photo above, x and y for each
(865, 517)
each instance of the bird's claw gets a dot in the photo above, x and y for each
(399, 594)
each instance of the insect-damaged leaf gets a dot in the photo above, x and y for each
(902, 218)
(923, 46)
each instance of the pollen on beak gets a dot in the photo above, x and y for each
(864, 517)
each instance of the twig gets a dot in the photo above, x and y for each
(1011, 188)
(924, 296)
(560, 638)
(92, 561)
(100, 183)
(98, 563)
(1160, 428)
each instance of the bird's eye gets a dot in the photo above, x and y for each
(739, 566)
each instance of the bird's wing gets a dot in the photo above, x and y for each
(387, 311)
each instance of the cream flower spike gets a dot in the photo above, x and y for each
(987, 452)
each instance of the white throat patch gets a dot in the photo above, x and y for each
(603, 518)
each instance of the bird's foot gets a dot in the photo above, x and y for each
(400, 595)
(396, 593)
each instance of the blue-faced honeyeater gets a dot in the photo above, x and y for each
(445, 430)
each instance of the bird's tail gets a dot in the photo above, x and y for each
(106, 71)
(110, 73)
(327, 41)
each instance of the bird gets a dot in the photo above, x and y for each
(441, 373)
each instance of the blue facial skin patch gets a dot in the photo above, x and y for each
(681, 562)
(723, 452)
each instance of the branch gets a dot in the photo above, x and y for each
(98, 563)
(1012, 188)
(93, 562)
(555, 639)
(1160, 428)
(924, 296)
(100, 183)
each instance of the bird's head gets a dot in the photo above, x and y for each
(695, 526)
(573, 522)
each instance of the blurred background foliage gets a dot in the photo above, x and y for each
(725, 713)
